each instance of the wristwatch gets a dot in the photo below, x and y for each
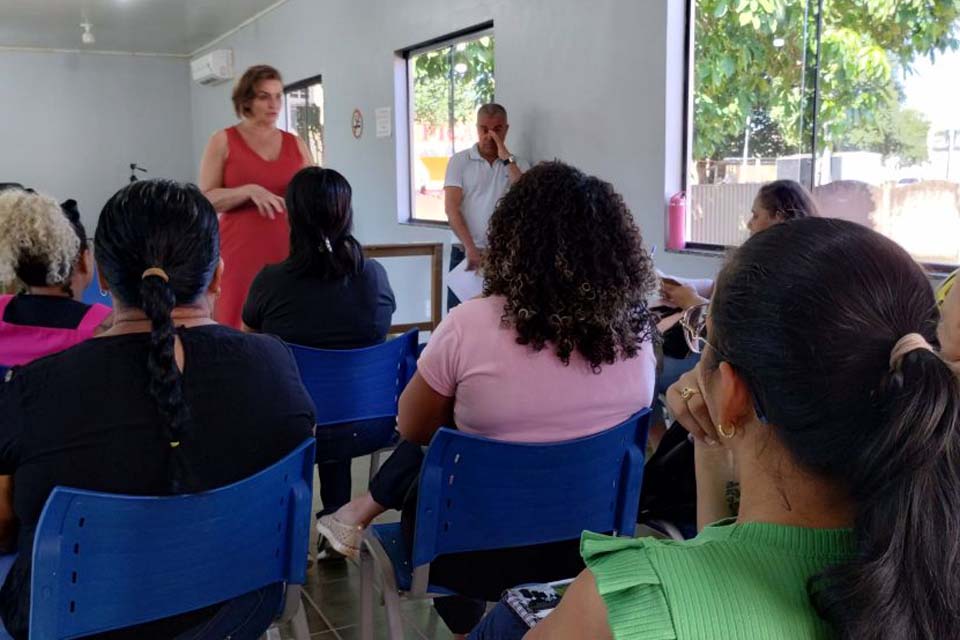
(509, 161)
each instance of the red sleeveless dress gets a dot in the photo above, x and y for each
(248, 241)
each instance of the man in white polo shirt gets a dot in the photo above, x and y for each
(476, 179)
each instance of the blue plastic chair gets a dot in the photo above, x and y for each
(104, 561)
(351, 385)
(477, 494)
(92, 295)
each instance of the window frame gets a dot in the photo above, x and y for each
(407, 100)
(300, 85)
(697, 248)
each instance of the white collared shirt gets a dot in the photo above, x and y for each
(483, 185)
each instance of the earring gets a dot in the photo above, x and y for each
(103, 293)
(727, 435)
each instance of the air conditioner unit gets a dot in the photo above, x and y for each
(213, 68)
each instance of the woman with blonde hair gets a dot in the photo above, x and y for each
(43, 248)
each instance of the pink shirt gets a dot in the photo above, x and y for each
(508, 391)
(20, 344)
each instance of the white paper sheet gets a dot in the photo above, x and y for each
(465, 284)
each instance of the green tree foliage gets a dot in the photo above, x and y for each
(467, 68)
(756, 58)
(892, 131)
(309, 126)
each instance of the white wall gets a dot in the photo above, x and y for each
(586, 82)
(71, 123)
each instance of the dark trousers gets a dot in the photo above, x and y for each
(500, 624)
(479, 576)
(244, 618)
(337, 445)
(457, 255)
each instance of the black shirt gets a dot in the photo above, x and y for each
(45, 311)
(345, 313)
(83, 418)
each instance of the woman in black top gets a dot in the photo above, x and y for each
(326, 295)
(165, 402)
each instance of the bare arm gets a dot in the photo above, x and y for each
(713, 463)
(581, 614)
(452, 200)
(308, 159)
(715, 484)
(515, 172)
(422, 411)
(949, 329)
(224, 199)
(513, 169)
(680, 295)
(211, 176)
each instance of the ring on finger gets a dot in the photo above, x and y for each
(686, 393)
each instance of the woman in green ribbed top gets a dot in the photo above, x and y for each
(819, 383)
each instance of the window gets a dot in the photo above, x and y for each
(854, 100)
(303, 114)
(447, 82)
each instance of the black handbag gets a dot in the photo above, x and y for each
(674, 345)
(669, 490)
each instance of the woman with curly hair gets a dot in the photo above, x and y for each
(558, 347)
(43, 248)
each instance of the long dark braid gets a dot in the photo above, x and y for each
(157, 245)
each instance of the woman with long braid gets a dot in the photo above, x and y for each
(165, 402)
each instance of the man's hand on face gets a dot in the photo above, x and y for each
(502, 152)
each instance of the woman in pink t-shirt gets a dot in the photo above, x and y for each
(558, 347)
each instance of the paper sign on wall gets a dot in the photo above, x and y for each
(384, 125)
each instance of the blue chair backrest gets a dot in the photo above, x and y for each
(478, 494)
(350, 385)
(104, 561)
(92, 295)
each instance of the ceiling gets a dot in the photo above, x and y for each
(177, 27)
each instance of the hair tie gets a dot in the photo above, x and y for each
(907, 344)
(155, 271)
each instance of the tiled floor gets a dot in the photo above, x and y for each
(332, 594)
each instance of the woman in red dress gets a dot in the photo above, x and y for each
(244, 173)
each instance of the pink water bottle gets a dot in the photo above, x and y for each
(676, 222)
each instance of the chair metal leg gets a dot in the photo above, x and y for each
(374, 464)
(273, 633)
(301, 631)
(374, 559)
(394, 621)
(366, 594)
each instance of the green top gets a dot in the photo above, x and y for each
(733, 581)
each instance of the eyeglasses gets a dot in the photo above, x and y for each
(694, 323)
